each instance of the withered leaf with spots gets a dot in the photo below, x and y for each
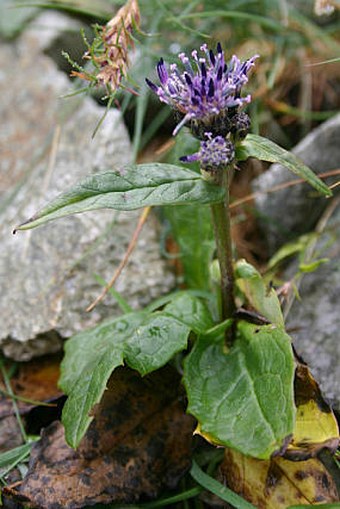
(316, 427)
(138, 444)
(278, 483)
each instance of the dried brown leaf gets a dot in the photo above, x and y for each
(36, 380)
(138, 444)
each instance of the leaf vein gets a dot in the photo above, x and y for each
(243, 363)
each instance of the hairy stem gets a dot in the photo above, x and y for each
(221, 219)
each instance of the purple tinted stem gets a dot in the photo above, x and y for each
(222, 228)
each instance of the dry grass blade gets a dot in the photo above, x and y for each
(279, 187)
(142, 219)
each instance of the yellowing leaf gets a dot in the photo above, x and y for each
(315, 427)
(207, 436)
(311, 267)
(277, 483)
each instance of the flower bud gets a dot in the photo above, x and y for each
(240, 126)
(215, 155)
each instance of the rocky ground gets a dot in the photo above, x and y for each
(48, 276)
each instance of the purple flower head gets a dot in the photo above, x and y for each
(206, 88)
(214, 153)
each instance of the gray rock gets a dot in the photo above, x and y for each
(48, 275)
(315, 319)
(43, 34)
(295, 210)
(54, 33)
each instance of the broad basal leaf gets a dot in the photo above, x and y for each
(131, 188)
(244, 399)
(266, 150)
(192, 311)
(262, 298)
(90, 358)
(143, 341)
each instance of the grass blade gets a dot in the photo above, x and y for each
(218, 489)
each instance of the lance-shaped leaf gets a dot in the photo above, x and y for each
(130, 188)
(143, 341)
(266, 150)
(244, 398)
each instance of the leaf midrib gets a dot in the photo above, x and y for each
(91, 193)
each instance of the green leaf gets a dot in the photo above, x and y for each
(243, 399)
(155, 341)
(90, 358)
(266, 150)
(160, 302)
(297, 246)
(321, 506)
(219, 330)
(170, 501)
(262, 298)
(192, 229)
(191, 311)
(14, 18)
(15, 455)
(312, 266)
(144, 341)
(131, 188)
